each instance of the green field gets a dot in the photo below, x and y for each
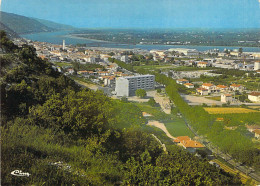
(153, 67)
(171, 67)
(187, 68)
(176, 126)
(155, 111)
(61, 64)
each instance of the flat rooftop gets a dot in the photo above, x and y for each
(132, 77)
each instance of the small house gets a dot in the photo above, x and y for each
(254, 96)
(225, 98)
(202, 91)
(182, 81)
(237, 87)
(189, 85)
(203, 64)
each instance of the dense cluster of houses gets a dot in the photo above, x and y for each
(84, 55)
(227, 92)
(108, 76)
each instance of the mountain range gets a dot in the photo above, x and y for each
(15, 24)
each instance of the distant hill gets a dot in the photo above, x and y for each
(54, 25)
(22, 24)
(10, 32)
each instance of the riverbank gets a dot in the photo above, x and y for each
(57, 37)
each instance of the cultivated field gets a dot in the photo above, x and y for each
(228, 110)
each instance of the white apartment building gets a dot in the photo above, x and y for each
(126, 86)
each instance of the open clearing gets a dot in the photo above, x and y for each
(160, 126)
(228, 110)
(177, 127)
(174, 125)
(90, 86)
(199, 100)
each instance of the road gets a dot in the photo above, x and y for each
(244, 169)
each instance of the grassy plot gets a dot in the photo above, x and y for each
(156, 112)
(175, 126)
(128, 115)
(152, 67)
(188, 68)
(62, 64)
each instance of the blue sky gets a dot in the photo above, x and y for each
(142, 13)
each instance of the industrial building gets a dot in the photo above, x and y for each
(185, 51)
(126, 86)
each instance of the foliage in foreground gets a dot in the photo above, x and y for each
(64, 135)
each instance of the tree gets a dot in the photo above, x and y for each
(170, 74)
(240, 50)
(159, 90)
(140, 93)
(124, 99)
(152, 102)
(111, 53)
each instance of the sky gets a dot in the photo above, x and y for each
(141, 13)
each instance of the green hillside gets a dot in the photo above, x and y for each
(22, 24)
(54, 25)
(10, 32)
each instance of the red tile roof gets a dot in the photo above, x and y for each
(221, 86)
(187, 142)
(188, 84)
(182, 80)
(235, 85)
(202, 89)
(202, 63)
(257, 131)
(181, 138)
(228, 95)
(192, 144)
(207, 84)
(255, 94)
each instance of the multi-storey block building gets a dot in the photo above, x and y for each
(126, 86)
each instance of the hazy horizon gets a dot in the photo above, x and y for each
(153, 14)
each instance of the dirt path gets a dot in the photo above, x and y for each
(91, 86)
(160, 126)
(164, 101)
(163, 145)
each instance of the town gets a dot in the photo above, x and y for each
(130, 93)
(195, 71)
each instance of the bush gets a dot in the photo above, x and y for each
(124, 99)
(152, 102)
(140, 93)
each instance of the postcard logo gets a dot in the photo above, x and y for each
(20, 173)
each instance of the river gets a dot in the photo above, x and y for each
(57, 37)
